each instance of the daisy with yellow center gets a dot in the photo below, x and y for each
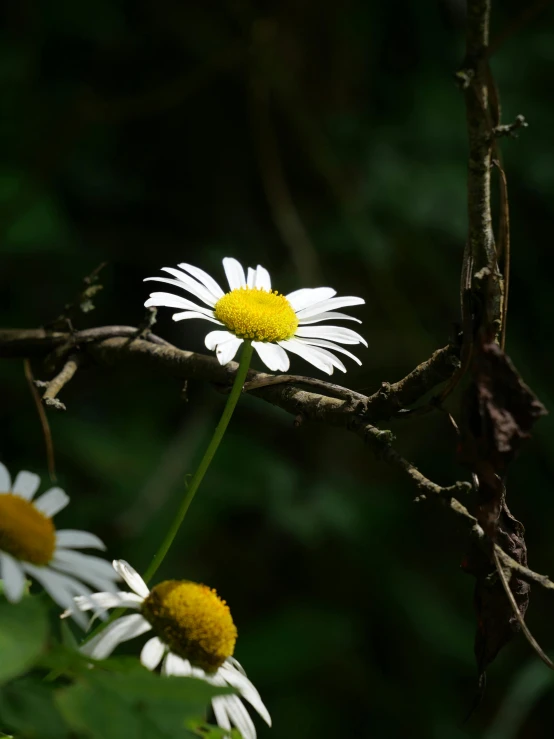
(260, 319)
(31, 545)
(252, 311)
(194, 637)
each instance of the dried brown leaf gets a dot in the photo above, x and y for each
(499, 411)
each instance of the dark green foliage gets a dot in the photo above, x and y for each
(23, 632)
(143, 705)
(62, 697)
(28, 708)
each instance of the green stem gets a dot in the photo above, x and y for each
(198, 476)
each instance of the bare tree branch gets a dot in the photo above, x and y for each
(109, 345)
(498, 555)
(114, 345)
(480, 270)
(480, 233)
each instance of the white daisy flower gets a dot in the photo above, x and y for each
(194, 637)
(276, 324)
(30, 545)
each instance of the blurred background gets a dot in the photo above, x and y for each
(327, 142)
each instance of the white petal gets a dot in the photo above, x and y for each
(26, 484)
(93, 570)
(234, 273)
(240, 717)
(315, 355)
(225, 344)
(5, 479)
(188, 283)
(199, 673)
(168, 300)
(326, 305)
(272, 355)
(330, 345)
(333, 333)
(152, 653)
(226, 352)
(204, 278)
(84, 575)
(193, 286)
(73, 539)
(251, 280)
(131, 577)
(103, 601)
(174, 665)
(220, 712)
(300, 299)
(13, 577)
(60, 588)
(238, 680)
(51, 502)
(263, 280)
(217, 337)
(306, 352)
(191, 314)
(231, 661)
(123, 629)
(335, 361)
(331, 316)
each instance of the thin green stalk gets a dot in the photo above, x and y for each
(198, 476)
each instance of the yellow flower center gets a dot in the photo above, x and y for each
(25, 532)
(253, 313)
(193, 621)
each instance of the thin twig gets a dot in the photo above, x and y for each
(328, 387)
(466, 351)
(82, 301)
(426, 486)
(504, 247)
(523, 572)
(47, 434)
(509, 129)
(443, 365)
(517, 613)
(61, 379)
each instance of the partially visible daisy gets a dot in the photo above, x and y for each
(194, 637)
(30, 545)
(276, 324)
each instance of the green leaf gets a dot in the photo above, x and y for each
(23, 633)
(68, 637)
(64, 660)
(140, 704)
(27, 708)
